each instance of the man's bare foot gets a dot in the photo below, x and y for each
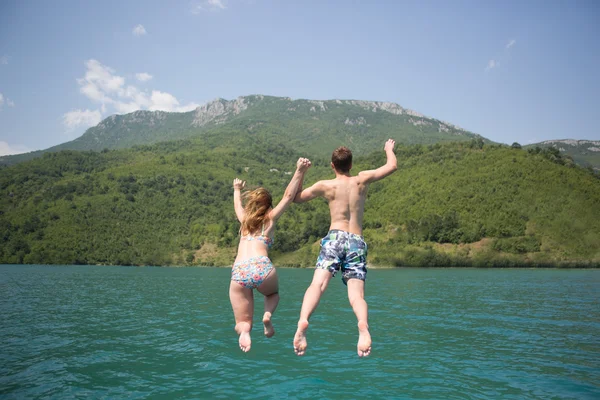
(243, 329)
(300, 338)
(364, 339)
(269, 330)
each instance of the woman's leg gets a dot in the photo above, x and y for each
(242, 302)
(270, 289)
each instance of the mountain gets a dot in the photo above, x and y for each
(170, 203)
(583, 152)
(315, 126)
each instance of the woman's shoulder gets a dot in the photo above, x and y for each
(269, 226)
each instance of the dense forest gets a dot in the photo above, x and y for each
(453, 204)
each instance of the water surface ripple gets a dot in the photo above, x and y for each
(119, 332)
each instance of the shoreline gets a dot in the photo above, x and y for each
(371, 267)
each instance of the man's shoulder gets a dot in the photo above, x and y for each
(325, 182)
(362, 176)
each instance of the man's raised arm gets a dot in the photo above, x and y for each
(388, 168)
(309, 193)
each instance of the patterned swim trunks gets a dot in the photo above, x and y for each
(252, 272)
(346, 252)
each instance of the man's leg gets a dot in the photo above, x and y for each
(312, 296)
(356, 295)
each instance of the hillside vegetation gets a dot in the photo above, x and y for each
(453, 204)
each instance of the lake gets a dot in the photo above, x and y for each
(127, 332)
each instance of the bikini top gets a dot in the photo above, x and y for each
(262, 237)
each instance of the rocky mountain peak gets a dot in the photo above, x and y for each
(219, 110)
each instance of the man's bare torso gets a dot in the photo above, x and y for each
(346, 197)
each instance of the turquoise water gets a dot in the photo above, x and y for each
(122, 332)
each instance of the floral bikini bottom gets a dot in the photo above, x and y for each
(252, 272)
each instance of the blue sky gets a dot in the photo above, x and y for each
(512, 71)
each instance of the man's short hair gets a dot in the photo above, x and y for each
(342, 159)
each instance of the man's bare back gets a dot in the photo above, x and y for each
(346, 197)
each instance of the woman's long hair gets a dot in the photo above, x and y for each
(258, 203)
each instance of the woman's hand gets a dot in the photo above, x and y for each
(238, 184)
(303, 164)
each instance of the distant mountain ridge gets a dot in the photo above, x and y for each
(576, 143)
(583, 152)
(312, 126)
(313, 122)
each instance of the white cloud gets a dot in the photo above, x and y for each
(6, 100)
(491, 65)
(81, 118)
(7, 149)
(504, 56)
(4, 59)
(167, 102)
(188, 107)
(139, 30)
(143, 77)
(103, 86)
(137, 96)
(207, 5)
(163, 101)
(126, 108)
(99, 82)
(216, 4)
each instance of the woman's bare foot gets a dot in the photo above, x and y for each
(269, 330)
(300, 338)
(243, 329)
(364, 340)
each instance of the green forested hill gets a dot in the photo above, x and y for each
(310, 125)
(463, 204)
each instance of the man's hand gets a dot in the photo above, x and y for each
(238, 184)
(303, 164)
(389, 145)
